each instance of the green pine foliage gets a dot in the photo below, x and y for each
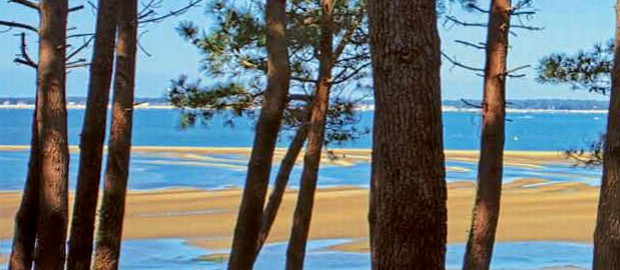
(234, 64)
(588, 70)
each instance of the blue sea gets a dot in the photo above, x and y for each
(526, 131)
(160, 127)
(546, 131)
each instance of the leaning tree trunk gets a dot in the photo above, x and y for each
(305, 202)
(245, 241)
(408, 213)
(284, 174)
(92, 139)
(486, 210)
(607, 234)
(112, 209)
(53, 145)
(25, 231)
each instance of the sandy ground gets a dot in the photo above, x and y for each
(532, 210)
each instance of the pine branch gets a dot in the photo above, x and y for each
(481, 46)
(81, 48)
(24, 57)
(26, 3)
(19, 25)
(172, 13)
(459, 64)
(76, 8)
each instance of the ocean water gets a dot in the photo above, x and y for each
(167, 254)
(525, 131)
(160, 127)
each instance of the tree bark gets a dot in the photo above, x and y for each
(112, 209)
(250, 216)
(312, 160)
(284, 174)
(53, 145)
(486, 210)
(408, 213)
(607, 233)
(92, 139)
(25, 231)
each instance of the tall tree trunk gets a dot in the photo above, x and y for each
(486, 210)
(250, 216)
(112, 209)
(92, 139)
(53, 145)
(607, 234)
(284, 174)
(408, 213)
(303, 211)
(25, 231)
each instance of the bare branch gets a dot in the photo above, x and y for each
(142, 49)
(510, 71)
(79, 61)
(19, 25)
(469, 104)
(81, 35)
(341, 78)
(476, 8)
(527, 27)
(462, 23)
(190, 5)
(77, 65)
(26, 3)
(481, 46)
(459, 64)
(81, 48)
(303, 80)
(26, 63)
(24, 57)
(76, 8)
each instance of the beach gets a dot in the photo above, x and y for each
(532, 210)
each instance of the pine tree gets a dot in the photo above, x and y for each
(408, 188)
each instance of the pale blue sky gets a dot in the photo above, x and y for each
(569, 25)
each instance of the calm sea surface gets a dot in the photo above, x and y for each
(525, 131)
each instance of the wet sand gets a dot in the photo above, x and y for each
(343, 157)
(532, 210)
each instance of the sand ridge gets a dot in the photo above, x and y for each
(532, 210)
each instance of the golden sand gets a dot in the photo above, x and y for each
(532, 210)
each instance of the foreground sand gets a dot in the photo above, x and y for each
(532, 210)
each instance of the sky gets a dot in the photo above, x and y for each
(569, 25)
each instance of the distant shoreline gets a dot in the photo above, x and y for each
(365, 108)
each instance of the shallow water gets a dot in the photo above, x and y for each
(531, 131)
(166, 254)
(158, 170)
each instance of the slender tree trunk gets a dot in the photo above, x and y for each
(25, 231)
(250, 216)
(303, 211)
(112, 209)
(408, 213)
(53, 145)
(284, 174)
(607, 234)
(486, 210)
(92, 139)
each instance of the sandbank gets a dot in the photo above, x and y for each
(532, 210)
